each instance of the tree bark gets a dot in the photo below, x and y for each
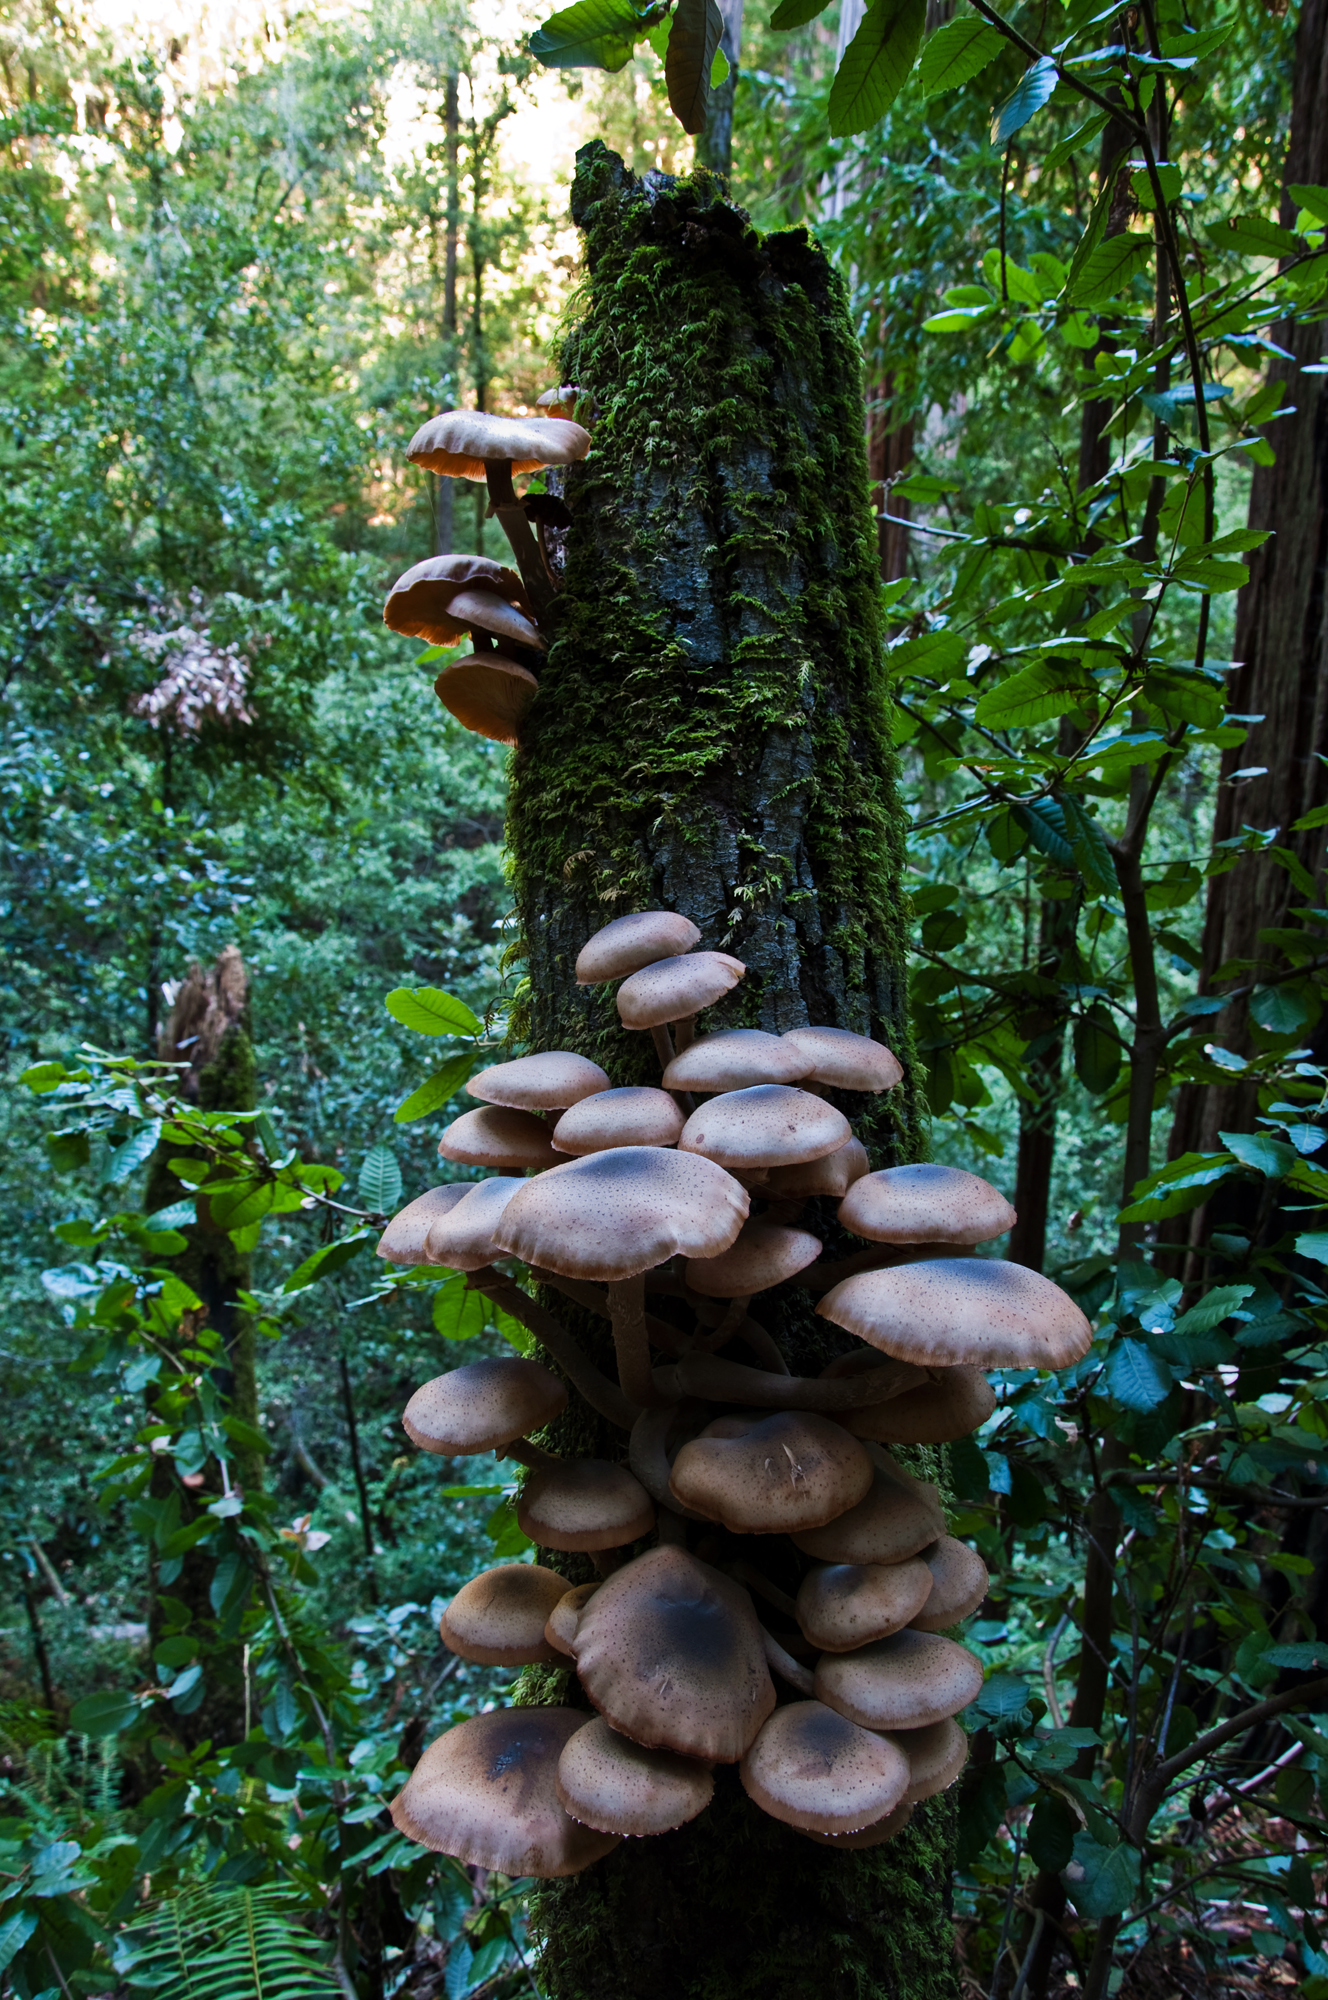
(443, 487)
(714, 146)
(712, 736)
(889, 455)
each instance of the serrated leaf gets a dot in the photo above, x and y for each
(594, 34)
(1185, 697)
(1279, 1009)
(1266, 1155)
(1108, 269)
(876, 65)
(1028, 96)
(1255, 236)
(693, 40)
(938, 656)
(1101, 1880)
(380, 1180)
(1135, 1375)
(438, 1089)
(1044, 821)
(1035, 694)
(1307, 196)
(956, 53)
(1212, 1309)
(134, 1153)
(428, 1011)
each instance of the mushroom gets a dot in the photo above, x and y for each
(634, 1116)
(766, 1125)
(845, 1061)
(959, 1583)
(462, 1238)
(936, 1755)
(813, 1768)
(548, 1082)
(833, 1174)
(669, 1651)
(580, 1503)
(559, 402)
(793, 1471)
(404, 1241)
(488, 694)
(608, 1782)
(419, 602)
(498, 1619)
(732, 1059)
(499, 1137)
(764, 1254)
(903, 1682)
(484, 1406)
(844, 1605)
(629, 943)
(897, 1518)
(869, 1836)
(953, 1404)
(560, 1626)
(676, 989)
(925, 1204)
(613, 1215)
(486, 1793)
(719, 1381)
(953, 1310)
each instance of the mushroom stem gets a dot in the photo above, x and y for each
(663, 1041)
(752, 1579)
(511, 518)
(647, 1455)
(728, 1326)
(719, 1381)
(750, 1331)
(526, 1453)
(822, 1277)
(598, 1391)
(606, 1561)
(592, 1297)
(684, 1032)
(784, 1664)
(631, 1342)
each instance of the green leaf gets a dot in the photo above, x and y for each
(380, 1180)
(1028, 96)
(505, 1532)
(1089, 845)
(719, 69)
(43, 1077)
(936, 656)
(1100, 1880)
(330, 1258)
(1044, 821)
(956, 53)
(1313, 1243)
(1212, 1309)
(134, 1153)
(1003, 1697)
(103, 1714)
(1185, 697)
(1035, 694)
(796, 13)
(1135, 1376)
(1178, 1187)
(594, 34)
(459, 1314)
(438, 1089)
(1310, 197)
(1109, 269)
(693, 42)
(14, 1934)
(876, 65)
(68, 1150)
(1279, 1009)
(1051, 1832)
(1254, 236)
(1097, 1050)
(1266, 1155)
(429, 1012)
(1169, 178)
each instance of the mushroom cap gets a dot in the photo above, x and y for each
(936, 1755)
(584, 1503)
(869, 1836)
(482, 1406)
(629, 943)
(463, 1237)
(794, 1470)
(833, 1174)
(482, 609)
(404, 1241)
(766, 1125)
(462, 444)
(952, 1310)
(487, 694)
(811, 1767)
(955, 1403)
(418, 601)
(613, 1214)
(498, 1619)
(903, 1682)
(486, 1793)
(925, 1204)
(633, 1116)
(959, 1583)
(765, 1254)
(498, 1136)
(670, 1652)
(560, 1626)
(607, 1781)
(732, 1059)
(844, 1060)
(547, 1082)
(672, 988)
(559, 402)
(897, 1518)
(845, 1605)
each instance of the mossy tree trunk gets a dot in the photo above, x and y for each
(712, 735)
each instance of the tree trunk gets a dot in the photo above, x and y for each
(443, 487)
(714, 146)
(712, 736)
(889, 455)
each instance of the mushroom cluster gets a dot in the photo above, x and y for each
(774, 1588)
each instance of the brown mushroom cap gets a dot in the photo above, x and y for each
(634, 1116)
(765, 1254)
(463, 1237)
(844, 1060)
(498, 1137)
(897, 1518)
(832, 1175)
(732, 1059)
(925, 1204)
(539, 1083)
(629, 943)
(607, 1781)
(955, 1403)
(584, 1503)
(792, 1471)
(936, 1755)
(498, 1619)
(767, 1125)
(487, 694)
(959, 1583)
(613, 1214)
(404, 1239)
(417, 604)
(845, 1605)
(869, 1836)
(559, 402)
(903, 1682)
(953, 1310)
(670, 1652)
(486, 1793)
(672, 988)
(481, 610)
(812, 1767)
(560, 1626)
(463, 444)
(482, 1407)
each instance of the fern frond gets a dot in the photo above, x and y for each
(224, 1944)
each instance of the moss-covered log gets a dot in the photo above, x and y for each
(712, 735)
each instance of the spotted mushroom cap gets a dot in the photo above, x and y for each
(811, 1767)
(671, 989)
(832, 1175)
(500, 1137)
(936, 1755)
(483, 1406)
(765, 1254)
(789, 1472)
(404, 1239)
(560, 1625)
(843, 1605)
(875, 1835)
(498, 1619)
(959, 1583)
(897, 1518)
(547, 1082)
(844, 1060)
(952, 1310)
(903, 1682)
(629, 943)
(615, 1213)
(486, 1793)
(607, 1781)
(767, 1125)
(633, 1116)
(463, 1237)
(925, 1204)
(584, 1503)
(732, 1059)
(488, 695)
(462, 444)
(953, 1404)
